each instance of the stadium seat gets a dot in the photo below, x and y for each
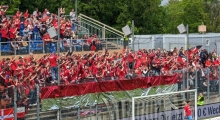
(53, 49)
(6, 48)
(36, 45)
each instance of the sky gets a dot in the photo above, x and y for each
(164, 2)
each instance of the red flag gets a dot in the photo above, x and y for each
(7, 114)
(21, 112)
(181, 58)
(193, 50)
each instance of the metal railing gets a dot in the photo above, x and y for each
(41, 47)
(105, 29)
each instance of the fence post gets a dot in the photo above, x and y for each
(184, 84)
(29, 47)
(43, 48)
(14, 49)
(196, 81)
(70, 45)
(106, 43)
(15, 104)
(38, 103)
(0, 48)
(219, 83)
(78, 112)
(208, 87)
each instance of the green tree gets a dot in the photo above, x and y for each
(191, 12)
(212, 18)
(13, 5)
(148, 15)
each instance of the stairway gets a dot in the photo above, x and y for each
(32, 114)
(109, 37)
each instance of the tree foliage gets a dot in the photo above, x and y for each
(149, 16)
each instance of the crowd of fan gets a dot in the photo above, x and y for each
(26, 73)
(25, 27)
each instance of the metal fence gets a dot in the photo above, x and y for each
(210, 41)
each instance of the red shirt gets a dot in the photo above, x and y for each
(53, 60)
(17, 14)
(12, 33)
(26, 22)
(138, 63)
(17, 23)
(208, 63)
(5, 33)
(13, 65)
(89, 41)
(45, 38)
(26, 15)
(187, 110)
(21, 63)
(130, 57)
(2, 12)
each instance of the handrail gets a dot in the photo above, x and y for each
(102, 27)
(101, 24)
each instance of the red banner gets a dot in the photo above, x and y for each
(105, 86)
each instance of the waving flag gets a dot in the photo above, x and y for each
(193, 50)
(181, 58)
(7, 114)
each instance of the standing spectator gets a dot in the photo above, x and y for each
(13, 32)
(53, 66)
(4, 32)
(26, 14)
(35, 13)
(35, 31)
(18, 14)
(73, 18)
(201, 100)
(2, 12)
(25, 33)
(188, 111)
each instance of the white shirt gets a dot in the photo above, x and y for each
(72, 16)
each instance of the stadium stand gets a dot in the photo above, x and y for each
(30, 34)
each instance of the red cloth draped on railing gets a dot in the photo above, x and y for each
(105, 86)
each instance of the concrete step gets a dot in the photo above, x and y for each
(30, 115)
(45, 117)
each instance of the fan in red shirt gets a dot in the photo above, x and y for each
(18, 14)
(4, 32)
(26, 14)
(17, 23)
(2, 12)
(53, 65)
(12, 31)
